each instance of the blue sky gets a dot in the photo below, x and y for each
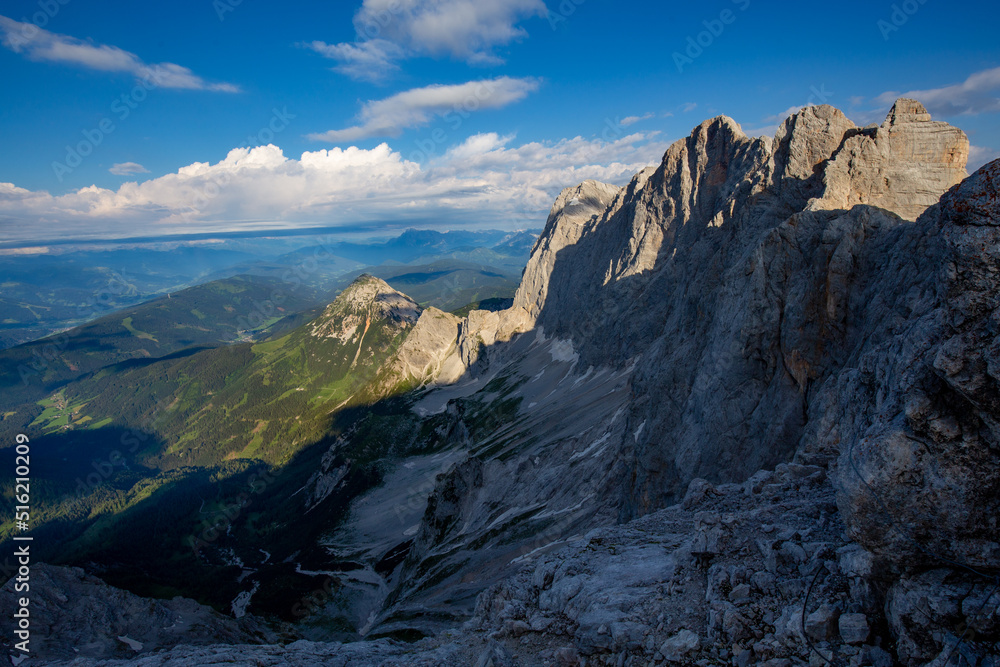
(378, 111)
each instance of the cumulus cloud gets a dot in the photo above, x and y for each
(42, 45)
(483, 180)
(127, 169)
(980, 93)
(417, 107)
(391, 30)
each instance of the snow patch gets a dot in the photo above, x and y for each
(638, 431)
(132, 644)
(562, 350)
(597, 443)
(242, 601)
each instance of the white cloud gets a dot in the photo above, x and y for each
(417, 107)
(689, 107)
(127, 169)
(485, 180)
(779, 118)
(980, 93)
(769, 124)
(632, 120)
(368, 61)
(978, 156)
(42, 45)
(467, 30)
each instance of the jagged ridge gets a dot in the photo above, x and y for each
(747, 302)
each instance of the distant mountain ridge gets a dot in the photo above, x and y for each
(43, 293)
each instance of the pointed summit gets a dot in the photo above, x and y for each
(903, 165)
(907, 111)
(365, 301)
(572, 210)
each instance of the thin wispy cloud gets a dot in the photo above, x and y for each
(978, 94)
(485, 178)
(779, 118)
(374, 60)
(128, 169)
(980, 155)
(43, 46)
(393, 30)
(417, 107)
(632, 120)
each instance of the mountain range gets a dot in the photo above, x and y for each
(52, 289)
(742, 410)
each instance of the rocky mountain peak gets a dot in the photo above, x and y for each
(572, 211)
(579, 204)
(680, 271)
(907, 111)
(976, 201)
(366, 300)
(903, 165)
(809, 138)
(366, 285)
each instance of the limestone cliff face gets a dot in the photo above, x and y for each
(429, 355)
(802, 297)
(728, 271)
(703, 325)
(572, 211)
(900, 166)
(919, 414)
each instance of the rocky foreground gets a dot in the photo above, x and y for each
(756, 422)
(759, 573)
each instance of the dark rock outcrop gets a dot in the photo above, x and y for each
(76, 615)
